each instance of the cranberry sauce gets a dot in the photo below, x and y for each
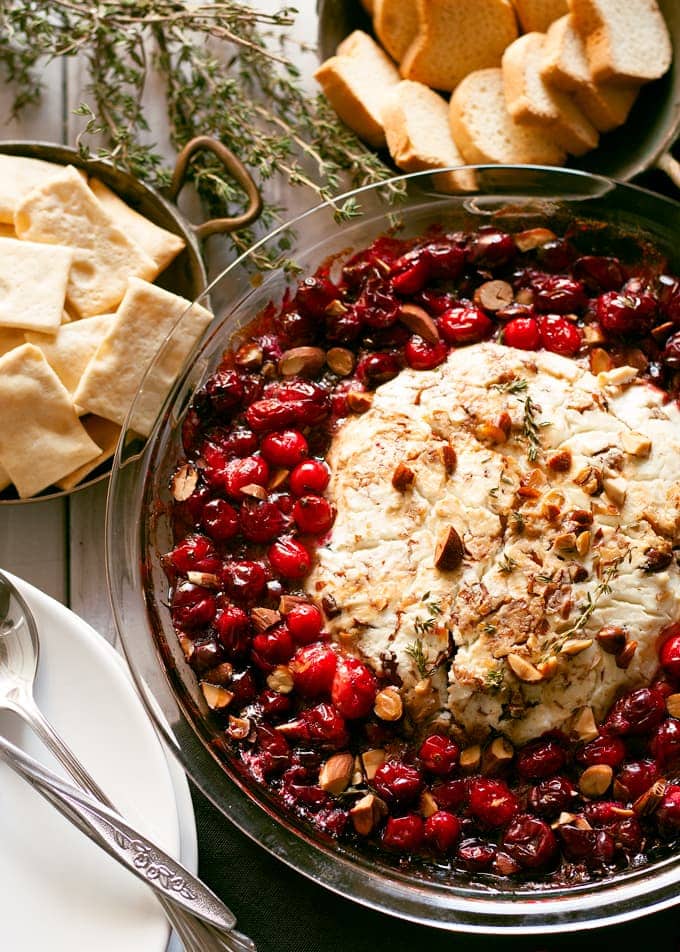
(303, 716)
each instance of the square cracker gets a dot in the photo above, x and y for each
(160, 245)
(18, 175)
(5, 481)
(105, 434)
(9, 339)
(63, 211)
(145, 317)
(33, 280)
(41, 437)
(70, 350)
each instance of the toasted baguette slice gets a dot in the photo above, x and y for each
(530, 100)
(356, 83)
(537, 15)
(416, 121)
(484, 130)
(456, 37)
(369, 6)
(395, 23)
(627, 40)
(605, 104)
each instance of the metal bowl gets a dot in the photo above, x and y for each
(138, 532)
(186, 275)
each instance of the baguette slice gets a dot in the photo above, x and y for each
(416, 121)
(356, 83)
(456, 37)
(395, 23)
(565, 65)
(484, 130)
(537, 15)
(627, 40)
(530, 100)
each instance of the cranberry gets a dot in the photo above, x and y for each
(295, 328)
(556, 255)
(354, 688)
(312, 476)
(274, 705)
(313, 669)
(555, 294)
(492, 803)
(593, 847)
(445, 258)
(422, 355)
(398, 783)
(225, 391)
(669, 656)
(290, 559)
(605, 749)
(343, 326)
(245, 580)
(435, 302)
(321, 724)
(313, 514)
(274, 750)
(233, 629)
(206, 655)
(272, 647)
(239, 442)
(243, 687)
(195, 553)
(252, 470)
(439, 755)
(668, 812)
(377, 368)
(560, 335)
(551, 797)
(192, 606)
(219, 519)
(288, 409)
(638, 712)
(636, 777)
(465, 324)
(522, 333)
(261, 521)
(540, 758)
(476, 855)
(625, 313)
(599, 273)
(313, 296)
(452, 794)
(376, 306)
(491, 248)
(285, 448)
(403, 834)
(442, 831)
(666, 743)
(305, 622)
(530, 842)
(411, 273)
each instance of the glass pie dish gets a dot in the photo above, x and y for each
(139, 533)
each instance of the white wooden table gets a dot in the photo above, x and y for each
(58, 545)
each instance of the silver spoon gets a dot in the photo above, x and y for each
(19, 655)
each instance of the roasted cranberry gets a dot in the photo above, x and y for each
(225, 391)
(325, 725)
(243, 687)
(354, 688)
(286, 448)
(290, 559)
(245, 580)
(261, 521)
(252, 470)
(492, 803)
(274, 705)
(636, 777)
(522, 333)
(192, 605)
(270, 414)
(560, 335)
(219, 519)
(556, 255)
(398, 783)
(240, 442)
(540, 758)
(555, 294)
(410, 273)
(274, 750)
(439, 755)
(313, 514)
(403, 834)
(491, 248)
(376, 306)
(313, 296)
(625, 313)
(312, 476)
(446, 259)
(195, 553)
(551, 797)
(377, 368)
(464, 324)
(668, 812)
(305, 622)
(313, 669)
(599, 273)
(342, 326)
(233, 629)
(435, 302)
(422, 355)
(442, 831)
(605, 749)
(669, 656)
(272, 647)
(530, 842)
(476, 855)
(603, 813)
(295, 328)
(592, 847)
(666, 743)
(452, 794)
(206, 655)
(638, 712)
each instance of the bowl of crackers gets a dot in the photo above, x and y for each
(96, 269)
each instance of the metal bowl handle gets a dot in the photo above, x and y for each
(670, 166)
(235, 168)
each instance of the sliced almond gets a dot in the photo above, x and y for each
(590, 480)
(470, 758)
(494, 295)
(565, 542)
(336, 308)
(548, 668)
(367, 813)
(184, 482)
(280, 679)
(673, 705)
(612, 638)
(449, 552)
(403, 477)
(523, 669)
(592, 336)
(583, 540)
(625, 655)
(254, 490)
(249, 356)
(497, 755)
(427, 805)
(490, 433)
(583, 725)
(220, 674)
(187, 646)
(359, 401)
(574, 646)
(288, 602)
(596, 780)
(336, 772)
(388, 704)
(449, 458)
(533, 238)
(239, 727)
(206, 579)
(419, 322)
(340, 360)
(617, 377)
(216, 696)
(635, 443)
(370, 760)
(301, 361)
(647, 802)
(616, 488)
(560, 462)
(264, 618)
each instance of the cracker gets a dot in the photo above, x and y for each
(145, 317)
(18, 176)
(70, 350)
(105, 434)
(33, 281)
(9, 339)
(160, 245)
(7, 231)
(63, 211)
(41, 437)
(5, 481)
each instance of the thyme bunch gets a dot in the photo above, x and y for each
(222, 74)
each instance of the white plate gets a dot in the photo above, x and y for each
(59, 891)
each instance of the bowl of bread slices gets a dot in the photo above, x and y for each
(586, 83)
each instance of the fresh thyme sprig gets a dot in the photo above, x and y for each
(602, 589)
(222, 75)
(531, 428)
(516, 386)
(507, 564)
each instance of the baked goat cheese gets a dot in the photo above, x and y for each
(493, 516)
